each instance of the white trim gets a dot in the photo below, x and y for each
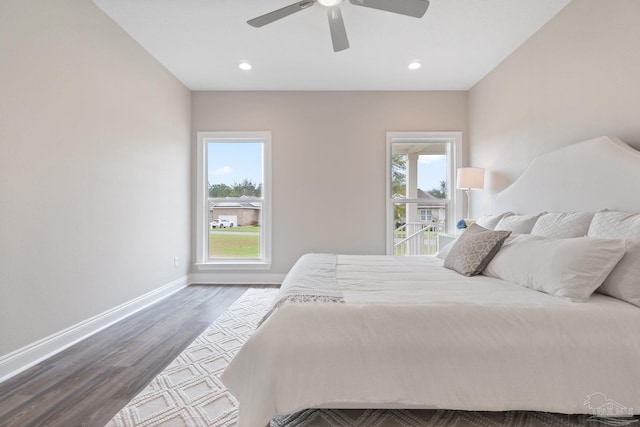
(233, 265)
(236, 279)
(25, 357)
(453, 138)
(202, 220)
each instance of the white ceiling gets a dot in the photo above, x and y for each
(202, 42)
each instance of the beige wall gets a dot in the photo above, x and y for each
(328, 158)
(97, 142)
(94, 169)
(576, 78)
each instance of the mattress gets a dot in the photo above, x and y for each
(404, 332)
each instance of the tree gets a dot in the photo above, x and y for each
(399, 186)
(244, 188)
(439, 193)
(219, 190)
(398, 174)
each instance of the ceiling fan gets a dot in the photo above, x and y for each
(414, 8)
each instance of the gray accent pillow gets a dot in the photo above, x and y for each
(473, 250)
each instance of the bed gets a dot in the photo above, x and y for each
(349, 331)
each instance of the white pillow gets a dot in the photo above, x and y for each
(615, 225)
(442, 253)
(490, 221)
(624, 281)
(562, 225)
(517, 224)
(569, 268)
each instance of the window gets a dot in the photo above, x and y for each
(426, 215)
(233, 206)
(421, 197)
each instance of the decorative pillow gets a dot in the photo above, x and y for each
(563, 225)
(442, 253)
(570, 268)
(518, 224)
(473, 250)
(615, 225)
(624, 281)
(490, 221)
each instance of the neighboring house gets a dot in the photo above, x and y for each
(432, 209)
(246, 213)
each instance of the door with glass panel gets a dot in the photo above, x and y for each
(421, 201)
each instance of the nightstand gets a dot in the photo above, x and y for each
(445, 239)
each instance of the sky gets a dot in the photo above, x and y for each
(431, 170)
(230, 162)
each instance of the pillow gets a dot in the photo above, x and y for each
(615, 225)
(442, 253)
(624, 281)
(473, 250)
(517, 224)
(570, 268)
(562, 225)
(490, 221)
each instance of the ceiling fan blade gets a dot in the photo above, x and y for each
(280, 13)
(415, 8)
(338, 31)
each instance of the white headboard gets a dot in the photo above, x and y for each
(601, 173)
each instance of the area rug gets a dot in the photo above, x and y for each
(189, 393)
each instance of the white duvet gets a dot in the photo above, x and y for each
(412, 334)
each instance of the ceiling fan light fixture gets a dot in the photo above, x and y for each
(245, 66)
(414, 65)
(329, 3)
(414, 8)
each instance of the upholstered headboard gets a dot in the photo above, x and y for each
(601, 173)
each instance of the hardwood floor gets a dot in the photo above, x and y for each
(87, 384)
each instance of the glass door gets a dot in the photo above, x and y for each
(421, 190)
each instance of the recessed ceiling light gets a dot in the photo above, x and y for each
(245, 66)
(329, 3)
(415, 65)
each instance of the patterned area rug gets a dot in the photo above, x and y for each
(189, 392)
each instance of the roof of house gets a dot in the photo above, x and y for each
(234, 205)
(424, 195)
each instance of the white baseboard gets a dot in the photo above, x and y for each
(210, 278)
(24, 358)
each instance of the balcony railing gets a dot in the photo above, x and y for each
(417, 238)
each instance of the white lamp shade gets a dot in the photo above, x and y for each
(470, 179)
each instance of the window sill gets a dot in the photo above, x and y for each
(233, 265)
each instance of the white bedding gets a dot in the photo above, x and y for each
(412, 334)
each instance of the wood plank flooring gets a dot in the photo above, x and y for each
(87, 384)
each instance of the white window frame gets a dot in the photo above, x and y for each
(455, 161)
(202, 204)
(426, 215)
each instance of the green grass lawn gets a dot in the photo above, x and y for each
(234, 245)
(428, 250)
(244, 229)
(430, 237)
